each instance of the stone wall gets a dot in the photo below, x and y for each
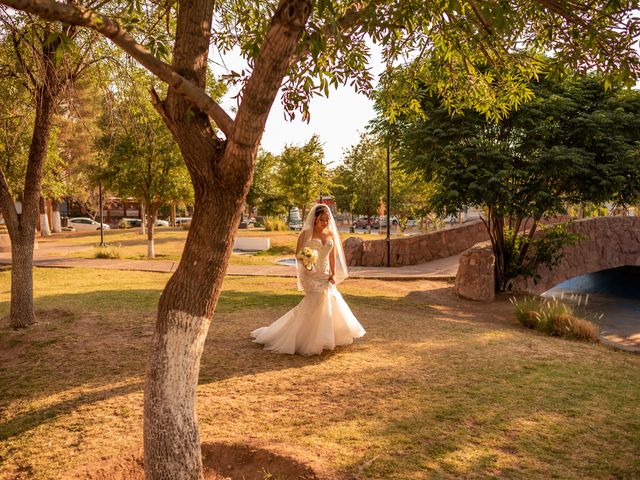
(607, 242)
(415, 249)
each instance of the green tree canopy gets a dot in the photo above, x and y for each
(301, 175)
(573, 142)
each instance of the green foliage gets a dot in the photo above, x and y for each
(554, 317)
(360, 182)
(451, 46)
(264, 193)
(524, 254)
(277, 250)
(138, 157)
(575, 142)
(300, 174)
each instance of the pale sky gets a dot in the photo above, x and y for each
(338, 120)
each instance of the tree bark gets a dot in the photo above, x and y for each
(172, 215)
(21, 311)
(45, 231)
(143, 218)
(221, 173)
(152, 214)
(22, 227)
(56, 222)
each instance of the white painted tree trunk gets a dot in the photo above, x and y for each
(56, 222)
(45, 231)
(170, 397)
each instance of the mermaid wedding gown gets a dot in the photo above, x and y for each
(322, 320)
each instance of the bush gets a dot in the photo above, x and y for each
(555, 317)
(272, 224)
(108, 251)
(277, 250)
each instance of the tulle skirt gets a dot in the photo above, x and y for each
(321, 321)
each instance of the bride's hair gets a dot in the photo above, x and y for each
(320, 209)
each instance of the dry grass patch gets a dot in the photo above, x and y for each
(438, 388)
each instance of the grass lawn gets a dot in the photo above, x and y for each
(170, 242)
(438, 388)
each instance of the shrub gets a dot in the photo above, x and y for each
(555, 317)
(272, 224)
(107, 251)
(277, 250)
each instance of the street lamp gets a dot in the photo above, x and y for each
(388, 206)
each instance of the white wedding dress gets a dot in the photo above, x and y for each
(322, 320)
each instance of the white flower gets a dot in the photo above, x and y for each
(308, 257)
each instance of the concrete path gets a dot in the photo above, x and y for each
(445, 269)
(56, 255)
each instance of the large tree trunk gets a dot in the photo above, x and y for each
(22, 227)
(221, 172)
(21, 311)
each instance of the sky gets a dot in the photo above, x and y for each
(337, 120)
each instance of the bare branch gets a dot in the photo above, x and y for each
(84, 17)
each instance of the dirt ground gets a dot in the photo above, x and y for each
(439, 387)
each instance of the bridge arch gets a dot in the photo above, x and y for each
(606, 243)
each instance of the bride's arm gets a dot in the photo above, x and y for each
(332, 265)
(300, 244)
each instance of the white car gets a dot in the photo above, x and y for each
(83, 223)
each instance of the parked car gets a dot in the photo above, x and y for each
(137, 222)
(247, 222)
(84, 223)
(383, 221)
(412, 222)
(182, 220)
(363, 222)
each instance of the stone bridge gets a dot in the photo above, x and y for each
(606, 242)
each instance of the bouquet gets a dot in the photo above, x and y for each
(308, 257)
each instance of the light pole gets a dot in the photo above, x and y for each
(101, 222)
(388, 206)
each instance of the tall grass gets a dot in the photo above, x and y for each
(272, 224)
(555, 317)
(107, 251)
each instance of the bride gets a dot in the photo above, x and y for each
(322, 320)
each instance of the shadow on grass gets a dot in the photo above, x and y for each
(104, 338)
(25, 422)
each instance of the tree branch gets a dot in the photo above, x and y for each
(350, 19)
(84, 17)
(6, 203)
(486, 25)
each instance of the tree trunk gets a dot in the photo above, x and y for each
(222, 172)
(152, 214)
(172, 215)
(45, 231)
(143, 219)
(56, 221)
(22, 227)
(21, 311)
